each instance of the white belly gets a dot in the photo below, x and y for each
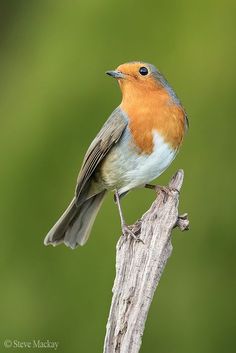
(123, 169)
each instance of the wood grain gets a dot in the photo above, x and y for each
(139, 266)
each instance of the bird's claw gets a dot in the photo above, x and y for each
(126, 231)
(166, 190)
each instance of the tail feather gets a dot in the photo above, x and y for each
(74, 226)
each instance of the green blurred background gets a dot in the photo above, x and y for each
(54, 97)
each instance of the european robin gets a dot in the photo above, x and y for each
(135, 145)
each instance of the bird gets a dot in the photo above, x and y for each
(136, 144)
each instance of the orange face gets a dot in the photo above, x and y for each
(137, 75)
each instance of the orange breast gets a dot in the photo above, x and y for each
(154, 110)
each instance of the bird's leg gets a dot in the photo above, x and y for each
(166, 190)
(158, 188)
(150, 186)
(124, 227)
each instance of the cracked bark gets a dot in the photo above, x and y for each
(139, 266)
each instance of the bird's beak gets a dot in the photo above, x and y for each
(115, 74)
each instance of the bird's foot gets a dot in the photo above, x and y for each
(126, 231)
(166, 190)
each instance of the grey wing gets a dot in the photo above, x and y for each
(108, 136)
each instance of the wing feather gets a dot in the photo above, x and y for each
(108, 136)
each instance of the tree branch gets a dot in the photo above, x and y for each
(139, 266)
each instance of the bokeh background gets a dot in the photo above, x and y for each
(54, 97)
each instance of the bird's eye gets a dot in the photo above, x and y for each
(143, 71)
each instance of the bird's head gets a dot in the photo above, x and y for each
(140, 78)
(136, 75)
